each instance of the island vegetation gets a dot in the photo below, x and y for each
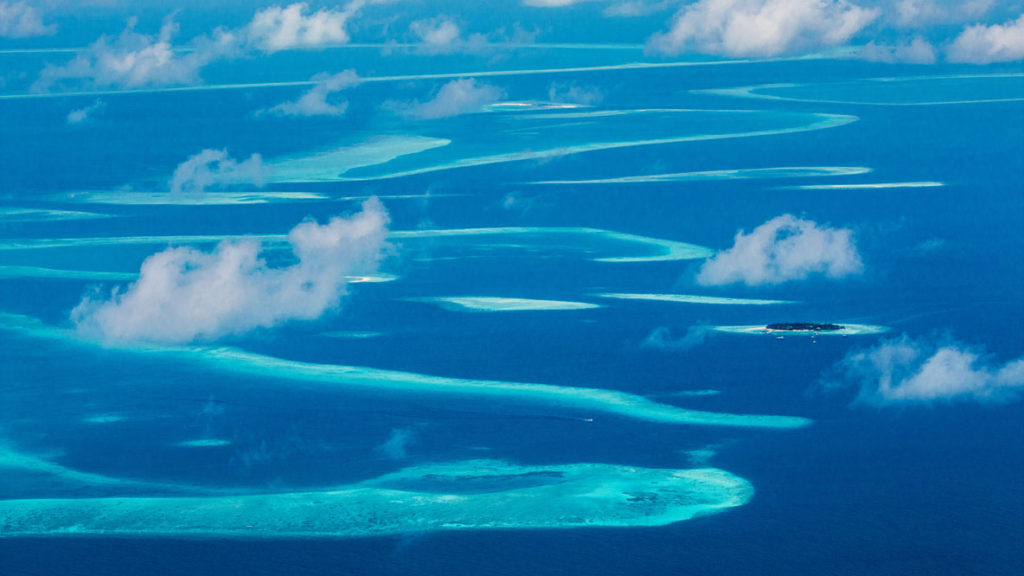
(803, 327)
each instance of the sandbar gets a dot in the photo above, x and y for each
(712, 175)
(495, 304)
(694, 299)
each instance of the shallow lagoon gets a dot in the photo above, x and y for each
(498, 137)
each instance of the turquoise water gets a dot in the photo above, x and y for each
(517, 367)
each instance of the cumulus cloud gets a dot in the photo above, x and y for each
(916, 51)
(211, 168)
(662, 338)
(442, 35)
(436, 33)
(761, 27)
(294, 26)
(907, 371)
(918, 13)
(980, 44)
(22, 20)
(782, 249)
(573, 93)
(461, 96)
(318, 100)
(134, 60)
(80, 115)
(184, 294)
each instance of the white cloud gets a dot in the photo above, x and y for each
(573, 93)
(461, 96)
(515, 35)
(636, 8)
(215, 168)
(905, 371)
(916, 51)
(761, 27)
(436, 34)
(317, 101)
(919, 13)
(980, 44)
(275, 28)
(441, 35)
(184, 294)
(782, 249)
(134, 60)
(22, 20)
(662, 339)
(932, 245)
(81, 115)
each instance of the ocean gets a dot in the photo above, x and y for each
(487, 335)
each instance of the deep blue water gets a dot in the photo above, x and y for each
(900, 490)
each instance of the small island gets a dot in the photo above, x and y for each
(811, 329)
(803, 327)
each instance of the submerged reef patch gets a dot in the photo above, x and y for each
(59, 274)
(220, 198)
(694, 299)
(44, 215)
(329, 165)
(713, 175)
(32, 473)
(334, 377)
(903, 91)
(497, 495)
(538, 136)
(495, 304)
(870, 186)
(204, 443)
(581, 239)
